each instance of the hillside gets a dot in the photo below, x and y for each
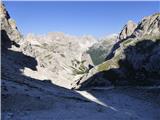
(40, 74)
(132, 61)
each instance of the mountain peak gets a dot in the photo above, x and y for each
(3, 11)
(127, 30)
(9, 25)
(148, 26)
(130, 22)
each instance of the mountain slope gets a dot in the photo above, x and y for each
(132, 61)
(102, 48)
(58, 57)
(26, 98)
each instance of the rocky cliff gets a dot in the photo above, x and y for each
(132, 61)
(148, 27)
(127, 30)
(9, 25)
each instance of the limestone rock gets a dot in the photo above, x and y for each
(9, 25)
(134, 60)
(149, 25)
(56, 53)
(127, 30)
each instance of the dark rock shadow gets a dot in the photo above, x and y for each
(18, 58)
(23, 93)
(12, 64)
(131, 79)
(140, 67)
(116, 46)
(112, 52)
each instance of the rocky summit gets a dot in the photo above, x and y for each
(57, 76)
(127, 30)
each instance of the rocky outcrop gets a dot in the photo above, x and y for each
(127, 30)
(134, 61)
(149, 26)
(9, 25)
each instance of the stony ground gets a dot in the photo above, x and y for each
(56, 103)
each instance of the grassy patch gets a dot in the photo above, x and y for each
(79, 67)
(103, 66)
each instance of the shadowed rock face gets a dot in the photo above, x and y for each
(132, 61)
(17, 58)
(12, 59)
(21, 92)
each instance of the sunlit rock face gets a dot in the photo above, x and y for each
(127, 30)
(57, 53)
(9, 25)
(150, 26)
(134, 60)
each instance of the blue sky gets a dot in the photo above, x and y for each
(78, 18)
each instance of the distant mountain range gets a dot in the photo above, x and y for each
(132, 57)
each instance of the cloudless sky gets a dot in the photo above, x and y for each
(78, 18)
